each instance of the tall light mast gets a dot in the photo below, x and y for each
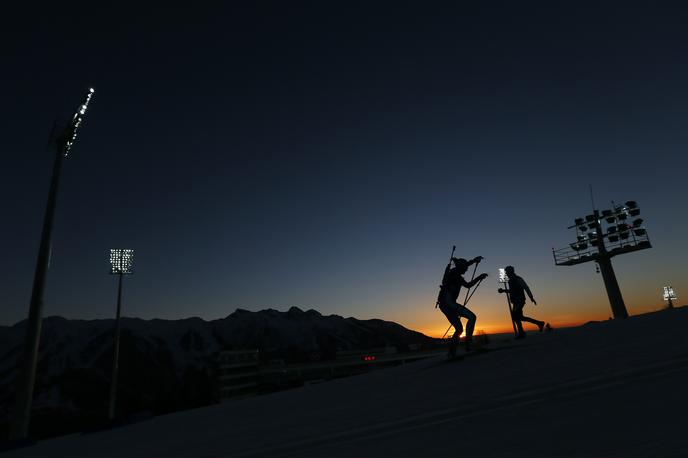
(600, 244)
(120, 262)
(27, 375)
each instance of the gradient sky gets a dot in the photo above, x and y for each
(327, 155)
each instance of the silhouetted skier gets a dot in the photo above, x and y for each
(449, 293)
(517, 292)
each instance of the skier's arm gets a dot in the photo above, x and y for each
(527, 290)
(470, 284)
(475, 260)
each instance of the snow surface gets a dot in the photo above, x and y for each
(616, 388)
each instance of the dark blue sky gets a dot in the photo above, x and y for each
(327, 155)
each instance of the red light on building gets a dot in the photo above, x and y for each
(368, 358)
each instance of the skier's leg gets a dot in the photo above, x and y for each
(454, 343)
(538, 323)
(453, 317)
(517, 316)
(470, 326)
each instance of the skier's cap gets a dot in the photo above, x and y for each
(509, 268)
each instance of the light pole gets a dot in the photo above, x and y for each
(120, 261)
(669, 296)
(504, 279)
(601, 244)
(27, 375)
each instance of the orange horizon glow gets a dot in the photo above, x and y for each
(493, 317)
(436, 331)
(496, 329)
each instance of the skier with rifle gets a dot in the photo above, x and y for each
(517, 290)
(447, 299)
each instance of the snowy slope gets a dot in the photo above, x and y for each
(614, 388)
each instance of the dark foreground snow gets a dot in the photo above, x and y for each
(605, 389)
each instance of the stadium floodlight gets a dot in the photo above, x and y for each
(669, 293)
(27, 372)
(609, 216)
(69, 135)
(606, 244)
(504, 279)
(580, 224)
(121, 261)
(669, 296)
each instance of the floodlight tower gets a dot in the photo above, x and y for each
(669, 296)
(504, 279)
(601, 244)
(27, 376)
(120, 262)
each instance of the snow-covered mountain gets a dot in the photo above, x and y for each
(167, 365)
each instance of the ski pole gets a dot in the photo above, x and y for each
(511, 313)
(468, 290)
(474, 290)
(468, 297)
(445, 332)
(508, 303)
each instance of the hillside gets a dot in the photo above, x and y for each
(613, 388)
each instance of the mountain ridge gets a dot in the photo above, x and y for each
(169, 365)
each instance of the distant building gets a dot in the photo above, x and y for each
(238, 373)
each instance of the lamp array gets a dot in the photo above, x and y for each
(618, 227)
(69, 135)
(121, 261)
(668, 293)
